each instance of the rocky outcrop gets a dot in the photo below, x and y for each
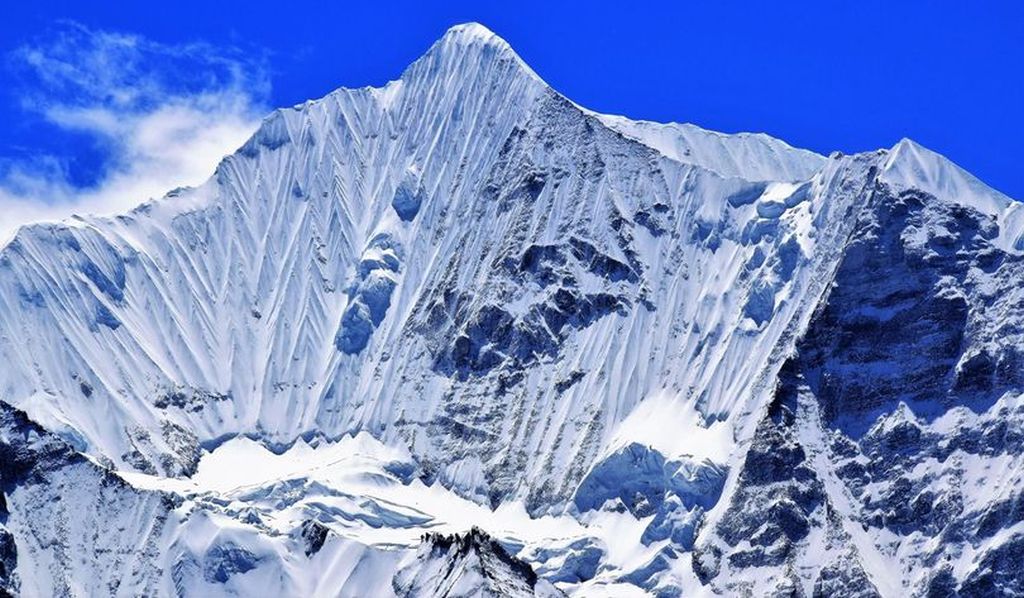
(71, 525)
(464, 565)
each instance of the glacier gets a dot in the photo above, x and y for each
(460, 336)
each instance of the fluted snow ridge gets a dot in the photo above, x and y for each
(288, 296)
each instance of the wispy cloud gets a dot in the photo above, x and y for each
(162, 116)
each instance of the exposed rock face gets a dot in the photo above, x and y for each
(464, 565)
(772, 372)
(898, 385)
(71, 526)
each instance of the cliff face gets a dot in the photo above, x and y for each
(889, 441)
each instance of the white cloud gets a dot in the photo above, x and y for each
(163, 116)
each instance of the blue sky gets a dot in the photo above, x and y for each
(105, 104)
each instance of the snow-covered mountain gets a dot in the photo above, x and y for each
(460, 336)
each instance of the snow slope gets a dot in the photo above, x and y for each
(287, 296)
(461, 300)
(750, 156)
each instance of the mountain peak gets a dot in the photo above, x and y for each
(460, 301)
(471, 32)
(472, 46)
(910, 164)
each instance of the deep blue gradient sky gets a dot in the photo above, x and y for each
(850, 76)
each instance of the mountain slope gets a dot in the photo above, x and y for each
(711, 345)
(296, 248)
